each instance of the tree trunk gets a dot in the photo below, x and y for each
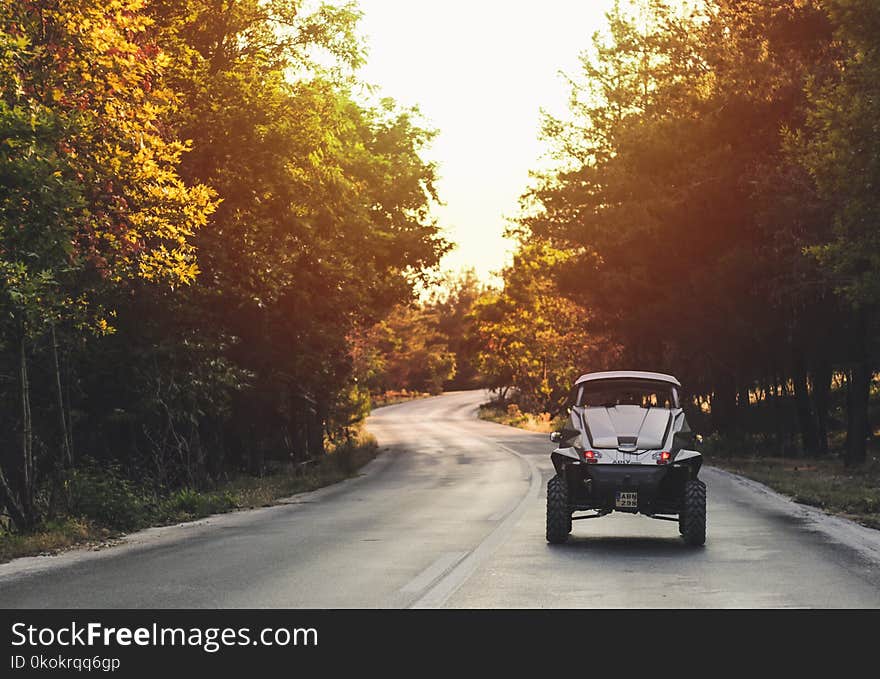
(723, 405)
(13, 508)
(743, 415)
(69, 409)
(857, 386)
(27, 487)
(316, 447)
(857, 394)
(67, 460)
(822, 374)
(781, 414)
(743, 401)
(809, 437)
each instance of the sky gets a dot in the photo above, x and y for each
(479, 71)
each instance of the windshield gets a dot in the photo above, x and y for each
(615, 392)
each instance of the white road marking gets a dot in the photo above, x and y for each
(446, 561)
(450, 583)
(497, 516)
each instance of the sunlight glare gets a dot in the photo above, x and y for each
(480, 71)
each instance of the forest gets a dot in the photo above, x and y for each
(713, 212)
(216, 247)
(197, 212)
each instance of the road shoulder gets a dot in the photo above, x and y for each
(164, 536)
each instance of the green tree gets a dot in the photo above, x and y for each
(532, 339)
(684, 219)
(840, 149)
(323, 227)
(90, 196)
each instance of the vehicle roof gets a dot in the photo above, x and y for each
(632, 374)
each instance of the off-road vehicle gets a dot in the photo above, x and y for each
(628, 449)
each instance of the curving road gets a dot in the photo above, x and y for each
(452, 514)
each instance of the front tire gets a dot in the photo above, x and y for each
(692, 520)
(558, 511)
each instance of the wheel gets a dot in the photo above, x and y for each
(558, 511)
(692, 520)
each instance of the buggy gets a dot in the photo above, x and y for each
(628, 449)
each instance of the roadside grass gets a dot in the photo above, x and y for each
(826, 484)
(390, 398)
(51, 537)
(512, 416)
(112, 506)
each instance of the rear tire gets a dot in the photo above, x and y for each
(558, 511)
(692, 520)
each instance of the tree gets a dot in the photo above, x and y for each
(91, 197)
(684, 217)
(181, 331)
(323, 227)
(839, 148)
(532, 339)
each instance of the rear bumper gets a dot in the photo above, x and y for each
(595, 486)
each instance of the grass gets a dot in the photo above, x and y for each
(827, 484)
(240, 492)
(390, 398)
(512, 416)
(51, 537)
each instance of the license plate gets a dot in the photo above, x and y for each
(626, 500)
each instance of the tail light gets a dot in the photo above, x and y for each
(591, 456)
(663, 458)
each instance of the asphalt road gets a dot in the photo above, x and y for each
(452, 514)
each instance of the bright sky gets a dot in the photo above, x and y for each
(480, 71)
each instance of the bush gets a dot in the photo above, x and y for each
(103, 495)
(344, 457)
(349, 455)
(188, 503)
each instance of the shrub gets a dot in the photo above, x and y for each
(102, 494)
(189, 503)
